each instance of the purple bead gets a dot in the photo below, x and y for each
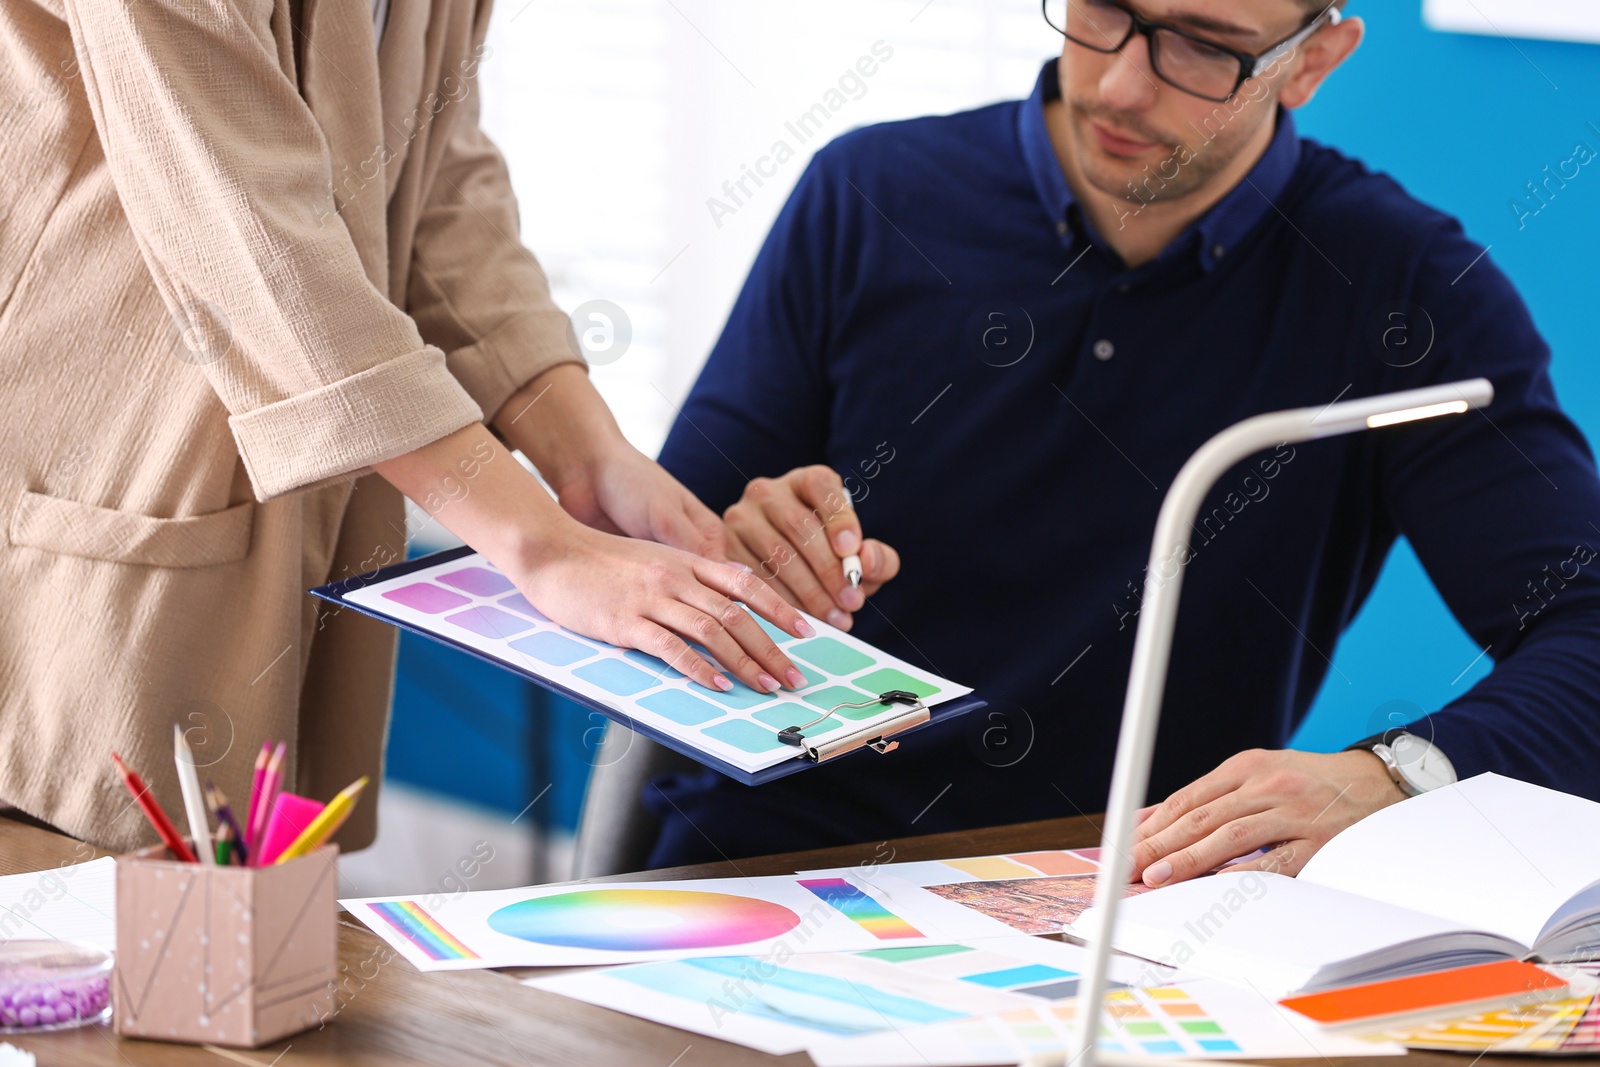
(51, 995)
(47, 1015)
(28, 1016)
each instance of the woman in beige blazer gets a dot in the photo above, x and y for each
(252, 252)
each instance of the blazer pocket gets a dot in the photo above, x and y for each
(70, 528)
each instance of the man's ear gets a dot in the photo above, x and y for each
(1320, 57)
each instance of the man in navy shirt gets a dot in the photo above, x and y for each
(1005, 330)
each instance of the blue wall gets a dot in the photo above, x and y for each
(1464, 123)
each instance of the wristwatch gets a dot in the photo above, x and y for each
(1415, 764)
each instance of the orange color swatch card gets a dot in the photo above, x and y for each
(1458, 992)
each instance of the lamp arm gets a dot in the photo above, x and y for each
(1152, 649)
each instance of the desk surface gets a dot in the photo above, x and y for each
(402, 1016)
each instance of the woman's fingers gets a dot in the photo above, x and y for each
(651, 637)
(751, 591)
(740, 636)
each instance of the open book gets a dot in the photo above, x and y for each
(1490, 868)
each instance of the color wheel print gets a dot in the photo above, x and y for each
(643, 920)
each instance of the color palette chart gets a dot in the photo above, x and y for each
(1024, 892)
(467, 601)
(1195, 1020)
(645, 920)
(632, 922)
(1566, 1027)
(412, 922)
(861, 909)
(785, 1007)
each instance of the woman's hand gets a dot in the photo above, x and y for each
(626, 592)
(563, 426)
(658, 599)
(628, 493)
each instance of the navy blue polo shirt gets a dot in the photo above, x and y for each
(932, 317)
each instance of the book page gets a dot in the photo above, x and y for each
(1266, 931)
(1492, 853)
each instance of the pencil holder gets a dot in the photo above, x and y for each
(234, 956)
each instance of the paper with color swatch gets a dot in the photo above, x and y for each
(1200, 1019)
(467, 600)
(624, 922)
(785, 1004)
(1037, 892)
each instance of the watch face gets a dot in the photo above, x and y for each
(1421, 764)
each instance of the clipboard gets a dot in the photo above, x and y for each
(809, 752)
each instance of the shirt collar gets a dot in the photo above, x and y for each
(1211, 237)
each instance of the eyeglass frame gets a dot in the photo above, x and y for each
(1249, 65)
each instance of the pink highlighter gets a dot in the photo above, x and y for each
(289, 816)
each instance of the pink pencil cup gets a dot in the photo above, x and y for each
(233, 956)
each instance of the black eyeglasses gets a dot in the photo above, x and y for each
(1193, 64)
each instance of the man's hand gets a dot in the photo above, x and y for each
(1290, 802)
(795, 532)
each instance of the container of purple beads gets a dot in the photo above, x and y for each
(52, 985)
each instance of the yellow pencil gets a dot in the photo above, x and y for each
(327, 822)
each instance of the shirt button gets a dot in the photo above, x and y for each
(1104, 350)
(1124, 288)
(1218, 251)
(1061, 227)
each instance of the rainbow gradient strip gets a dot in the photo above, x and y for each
(860, 909)
(423, 930)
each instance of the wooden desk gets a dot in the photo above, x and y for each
(402, 1016)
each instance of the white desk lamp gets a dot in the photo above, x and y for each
(1152, 646)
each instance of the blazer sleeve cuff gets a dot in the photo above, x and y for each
(339, 430)
(512, 355)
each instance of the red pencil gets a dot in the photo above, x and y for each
(153, 812)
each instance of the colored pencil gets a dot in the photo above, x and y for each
(326, 824)
(224, 844)
(152, 811)
(255, 792)
(217, 801)
(271, 782)
(193, 800)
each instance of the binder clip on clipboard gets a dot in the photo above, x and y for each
(874, 737)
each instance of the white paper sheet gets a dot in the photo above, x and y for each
(626, 922)
(469, 601)
(782, 1007)
(76, 902)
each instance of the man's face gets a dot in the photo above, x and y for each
(1141, 138)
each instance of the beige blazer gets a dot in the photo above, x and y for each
(243, 256)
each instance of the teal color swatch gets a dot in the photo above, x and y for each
(832, 655)
(680, 707)
(745, 736)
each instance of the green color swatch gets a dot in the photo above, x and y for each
(888, 678)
